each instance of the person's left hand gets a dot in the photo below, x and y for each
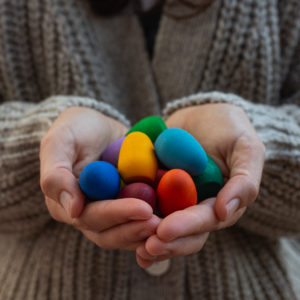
(183, 232)
(227, 135)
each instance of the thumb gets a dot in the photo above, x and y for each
(246, 166)
(56, 177)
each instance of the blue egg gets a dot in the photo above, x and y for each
(178, 149)
(99, 180)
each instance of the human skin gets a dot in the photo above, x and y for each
(228, 137)
(72, 142)
(77, 137)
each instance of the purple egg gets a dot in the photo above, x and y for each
(139, 190)
(111, 153)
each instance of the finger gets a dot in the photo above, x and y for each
(246, 165)
(102, 215)
(179, 247)
(144, 254)
(57, 180)
(57, 212)
(145, 257)
(194, 220)
(143, 263)
(125, 236)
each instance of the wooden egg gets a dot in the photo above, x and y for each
(176, 190)
(209, 182)
(111, 152)
(137, 160)
(99, 180)
(139, 190)
(160, 173)
(151, 126)
(122, 183)
(178, 149)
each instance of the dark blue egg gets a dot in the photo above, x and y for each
(178, 149)
(99, 180)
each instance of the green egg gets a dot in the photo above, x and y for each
(209, 183)
(122, 184)
(152, 126)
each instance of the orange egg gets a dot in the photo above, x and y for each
(176, 190)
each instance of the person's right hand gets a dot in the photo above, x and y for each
(77, 137)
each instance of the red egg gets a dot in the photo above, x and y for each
(176, 191)
(139, 190)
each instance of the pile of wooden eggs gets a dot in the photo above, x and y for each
(166, 167)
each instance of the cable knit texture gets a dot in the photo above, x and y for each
(56, 54)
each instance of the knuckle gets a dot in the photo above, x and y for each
(45, 182)
(52, 211)
(253, 191)
(249, 143)
(253, 144)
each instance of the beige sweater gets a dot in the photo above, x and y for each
(248, 51)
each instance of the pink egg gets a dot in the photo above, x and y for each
(139, 190)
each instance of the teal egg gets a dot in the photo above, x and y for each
(208, 183)
(178, 149)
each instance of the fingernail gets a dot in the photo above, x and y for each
(65, 200)
(232, 207)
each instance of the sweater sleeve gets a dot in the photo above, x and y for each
(22, 126)
(276, 212)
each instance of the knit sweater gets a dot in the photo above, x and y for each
(55, 54)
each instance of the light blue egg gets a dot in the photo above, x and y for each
(178, 149)
(99, 180)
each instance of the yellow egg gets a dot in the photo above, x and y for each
(137, 160)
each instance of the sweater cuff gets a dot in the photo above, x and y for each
(206, 98)
(61, 102)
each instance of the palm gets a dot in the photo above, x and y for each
(228, 137)
(85, 135)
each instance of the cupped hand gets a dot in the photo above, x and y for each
(227, 135)
(77, 137)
